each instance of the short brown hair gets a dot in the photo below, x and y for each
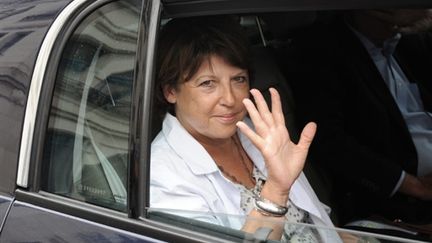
(185, 43)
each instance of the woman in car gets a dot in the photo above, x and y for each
(213, 159)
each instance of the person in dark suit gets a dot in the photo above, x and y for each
(367, 82)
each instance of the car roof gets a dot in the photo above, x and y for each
(182, 8)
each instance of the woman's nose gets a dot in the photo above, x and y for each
(227, 96)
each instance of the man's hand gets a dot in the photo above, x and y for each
(419, 187)
(406, 20)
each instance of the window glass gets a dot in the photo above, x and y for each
(188, 219)
(87, 143)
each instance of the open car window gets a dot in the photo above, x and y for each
(270, 33)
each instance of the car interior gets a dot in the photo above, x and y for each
(274, 52)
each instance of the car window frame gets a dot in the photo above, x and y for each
(30, 191)
(179, 9)
(47, 88)
(184, 8)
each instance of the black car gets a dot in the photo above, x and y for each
(77, 116)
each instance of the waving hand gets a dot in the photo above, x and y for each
(284, 159)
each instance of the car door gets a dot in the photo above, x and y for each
(74, 161)
(23, 24)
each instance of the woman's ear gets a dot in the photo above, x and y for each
(170, 94)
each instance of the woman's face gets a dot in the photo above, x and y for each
(210, 104)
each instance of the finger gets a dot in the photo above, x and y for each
(277, 107)
(307, 135)
(259, 124)
(246, 130)
(262, 106)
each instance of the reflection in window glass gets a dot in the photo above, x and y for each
(188, 219)
(86, 147)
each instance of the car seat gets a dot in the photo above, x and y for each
(268, 73)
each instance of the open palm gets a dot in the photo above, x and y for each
(284, 159)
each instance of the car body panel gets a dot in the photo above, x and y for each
(5, 203)
(23, 25)
(23, 30)
(37, 224)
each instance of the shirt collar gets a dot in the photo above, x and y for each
(197, 158)
(390, 44)
(387, 49)
(187, 147)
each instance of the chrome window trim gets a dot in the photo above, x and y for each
(150, 62)
(35, 90)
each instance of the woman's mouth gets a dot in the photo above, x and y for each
(228, 118)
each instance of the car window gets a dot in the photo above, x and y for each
(265, 37)
(87, 141)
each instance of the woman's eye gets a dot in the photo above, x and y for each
(240, 79)
(206, 83)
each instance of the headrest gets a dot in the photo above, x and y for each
(281, 25)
